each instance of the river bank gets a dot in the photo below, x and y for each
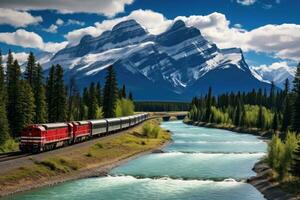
(81, 162)
(266, 135)
(263, 181)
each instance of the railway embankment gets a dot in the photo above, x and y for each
(87, 159)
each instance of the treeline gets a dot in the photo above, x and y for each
(156, 106)
(277, 111)
(27, 98)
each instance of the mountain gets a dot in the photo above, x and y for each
(175, 65)
(277, 72)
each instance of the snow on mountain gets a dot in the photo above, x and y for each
(170, 66)
(277, 72)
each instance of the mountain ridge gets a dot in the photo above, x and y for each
(175, 62)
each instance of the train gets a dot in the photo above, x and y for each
(44, 137)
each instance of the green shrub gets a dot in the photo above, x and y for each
(151, 130)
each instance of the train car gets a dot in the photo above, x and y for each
(81, 130)
(132, 120)
(125, 122)
(36, 138)
(114, 124)
(99, 127)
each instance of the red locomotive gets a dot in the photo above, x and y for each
(43, 137)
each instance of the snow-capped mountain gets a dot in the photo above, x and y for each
(175, 65)
(277, 72)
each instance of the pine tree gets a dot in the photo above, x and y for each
(123, 93)
(208, 105)
(39, 96)
(31, 68)
(130, 96)
(50, 95)
(13, 91)
(296, 105)
(238, 114)
(93, 103)
(60, 98)
(275, 122)
(4, 128)
(272, 96)
(26, 106)
(73, 105)
(110, 93)
(295, 168)
(99, 94)
(260, 120)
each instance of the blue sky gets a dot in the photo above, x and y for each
(268, 31)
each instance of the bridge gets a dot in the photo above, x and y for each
(166, 116)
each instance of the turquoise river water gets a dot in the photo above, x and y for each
(200, 164)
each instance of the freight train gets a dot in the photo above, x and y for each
(43, 137)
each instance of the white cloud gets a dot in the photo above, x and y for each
(154, 22)
(27, 39)
(18, 18)
(107, 7)
(51, 29)
(54, 46)
(283, 41)
(59, 22)
(75, 22)
(246, 2)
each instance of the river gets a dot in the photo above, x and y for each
(200, 164)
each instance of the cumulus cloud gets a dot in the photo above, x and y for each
(27, 39)
(283, 40)
(154, 22)
(51, 29)
(59, 22)
(75, 22)
(246, 2)
(18, 18)
(106, 7)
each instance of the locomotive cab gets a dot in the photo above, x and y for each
(32, 138)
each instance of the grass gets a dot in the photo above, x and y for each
(9, 146)
(102, 152)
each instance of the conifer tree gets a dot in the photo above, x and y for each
(93, 103)
(295, 168)
(31, 68)
(272, 96)
(275, 122)
(13, 92)
(4, 128)
(99, 94)
(130, 96)
(287, 108)
(73, 104)
(39, 96)
(123, 93)
(208, 105)
(296, 104)
(26, 107)
(260, 120)
(50, 94)
(60, 98)
(110, 93)
(238, 114)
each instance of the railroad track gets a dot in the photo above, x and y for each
(11, 156)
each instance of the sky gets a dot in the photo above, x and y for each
(268, 31)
